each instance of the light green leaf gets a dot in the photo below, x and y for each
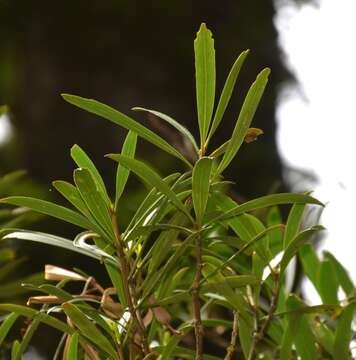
(88, 329)
(327, 283)
(244, 120)
(182, 129)
(294, 246)
(227, 92)
(150, 177)
(119, 118)
(343, 333)
(205, 79)
(122, 174)
(293, 223)
(84, 161)
(94, 200)
(7, 325)
(49, 208)
(200, 186)
(72, 350)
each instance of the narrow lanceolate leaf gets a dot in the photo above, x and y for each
(244, 120)
(7, 325)
(328, 284)
(88, 329)
(293, 223)
(119, 118)
(205, 79)
(343, 334)
(72, 350)
(266, 201)
(31, 313)
(122, 174)
(151, 178)
(200, 186)
(84, 161)
(48, 208)
(8, 180)
(227, 92)
(94, 199)
(310, 263)
(182, 129)
(294, 246)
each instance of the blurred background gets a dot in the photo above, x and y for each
(136, 53)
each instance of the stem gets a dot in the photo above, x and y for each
(231, 349)
(129, 293)
(198, 326)
(273, 306)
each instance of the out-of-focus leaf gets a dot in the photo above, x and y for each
(94, 200)
(30, 313)
(204, 79)
(294, 246)
(48, 208)
(7, 325)
(182, 129)
(8, 180)
(342, 275)
(227, 92)
(200, 186)
(327, 283)
(310, 263)
(122, 174)
(343, 333)
(119, 118)
(72, 350)
(10, 267)
(88, 329)
(151, 177)
(293, 223)
(84, 161)
(244, 120)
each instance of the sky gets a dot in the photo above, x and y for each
(317, 119)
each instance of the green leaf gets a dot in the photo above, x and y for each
(327, 283)
(343, 333)
(84, 161)
(88, 329)
(30, 313)
(72, 350)
(7, 325)
(342, 275)
(182, 129)
(150, 177)
(8, 180)
(266, 201)
(119, 118)
(244, 120)
(310, 263)
(200, 186)
(294, 246)
(205, 79)
(227, 92)
(94, 200)
(55, 241)
(49, 208)
(293, 223)
(117, 282)
(122, 174)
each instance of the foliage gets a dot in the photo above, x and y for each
(193, 267)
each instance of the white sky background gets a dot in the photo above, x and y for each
(317, 122)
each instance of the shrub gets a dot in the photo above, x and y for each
(193, 267)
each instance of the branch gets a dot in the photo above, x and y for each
(231, 349)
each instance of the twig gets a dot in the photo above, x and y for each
(198, 326)
(129, 293)
(231, 349)
(273, 306)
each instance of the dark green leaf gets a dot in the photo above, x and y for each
(117, 117)
(7, 325)
(205, 79)
(293, 223)
(310, 263)
(327, 283)
(244, 120)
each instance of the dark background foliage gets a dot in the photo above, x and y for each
(126, 53)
